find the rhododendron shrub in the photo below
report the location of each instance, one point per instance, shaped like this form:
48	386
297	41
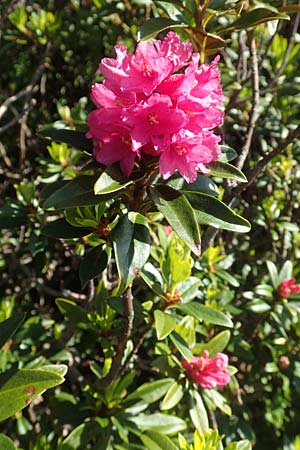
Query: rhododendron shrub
158	102
208	372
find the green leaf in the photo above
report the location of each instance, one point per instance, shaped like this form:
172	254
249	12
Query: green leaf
172	397
110	181
179	213
61	229
18	388
152	391
72	311
286	272
225	170
211	211
202	184
227	154
131	240
273	273
78	192
81	436
256	17
202	312
154	26
218	343
198	412
162	423
6	443
12	216
157	441
181	346
9	326
73	138
93	263
164	324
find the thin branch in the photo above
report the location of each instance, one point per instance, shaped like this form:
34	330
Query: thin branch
262	164
252	175
128	314
255	102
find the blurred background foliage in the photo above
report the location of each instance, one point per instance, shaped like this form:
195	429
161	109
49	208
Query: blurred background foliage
49	57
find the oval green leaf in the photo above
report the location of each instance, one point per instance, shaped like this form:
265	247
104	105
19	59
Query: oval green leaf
154	26
6	443
162	423
164	324
202	312
179	213
152	391
131	241
211	211
93	263
157	441
225	170
110	181
172	397
9	326
18	388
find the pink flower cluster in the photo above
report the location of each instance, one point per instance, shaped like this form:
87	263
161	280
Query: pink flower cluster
157	101
208	372
288	287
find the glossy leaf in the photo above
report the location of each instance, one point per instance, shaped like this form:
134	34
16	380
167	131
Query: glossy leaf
181	346
286	271
202	312
198	412
172	397
152	391
227	154
179	213
6	443
81	436
18	388
211	211
218	343
78	192
9	326
110	181
154	26
131	240
164	324
61	229
93	263
255	17
71	310
73	138
202	184
162	423
225	170
157	441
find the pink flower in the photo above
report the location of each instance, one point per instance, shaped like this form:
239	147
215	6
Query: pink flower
288	287
158	102
185	152
155	121
208	372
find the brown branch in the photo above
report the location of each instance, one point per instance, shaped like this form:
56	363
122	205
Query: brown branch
261	165
211	232
128	314
255	102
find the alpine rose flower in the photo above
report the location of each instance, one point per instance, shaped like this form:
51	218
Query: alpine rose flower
288	287
208	372
158	102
